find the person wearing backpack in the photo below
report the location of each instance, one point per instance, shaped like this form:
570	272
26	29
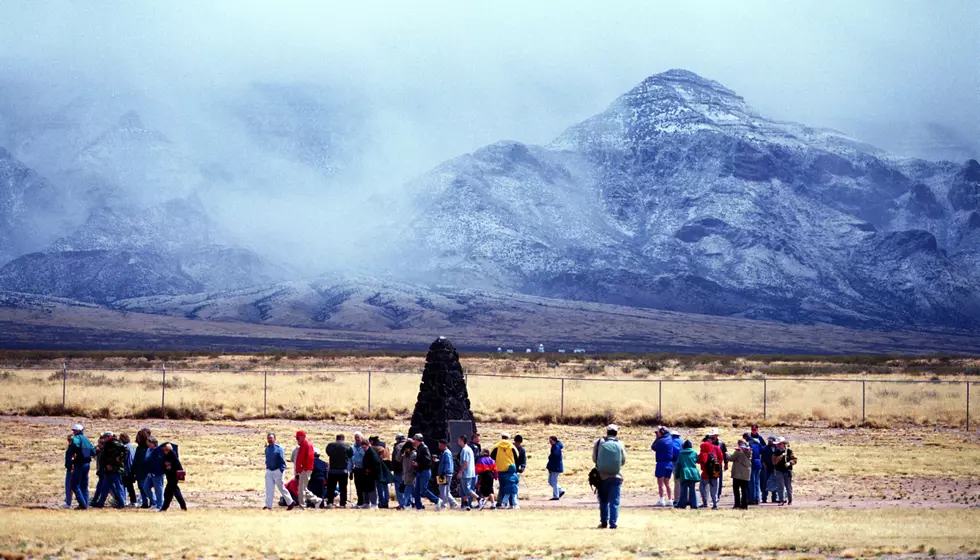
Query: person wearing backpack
687	473
81	451
711	463
114	463
609	456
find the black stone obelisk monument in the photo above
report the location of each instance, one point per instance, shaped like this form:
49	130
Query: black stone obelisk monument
442	395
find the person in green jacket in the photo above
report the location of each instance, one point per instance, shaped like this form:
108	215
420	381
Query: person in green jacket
689	476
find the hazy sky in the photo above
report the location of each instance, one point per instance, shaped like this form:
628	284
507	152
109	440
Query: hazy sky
477	72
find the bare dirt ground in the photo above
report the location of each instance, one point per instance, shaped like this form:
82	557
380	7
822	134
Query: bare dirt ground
844	469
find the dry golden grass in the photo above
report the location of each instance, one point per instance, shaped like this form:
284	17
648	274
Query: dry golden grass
523	534
858	493
689	395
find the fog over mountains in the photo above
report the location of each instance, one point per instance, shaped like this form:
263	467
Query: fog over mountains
679	196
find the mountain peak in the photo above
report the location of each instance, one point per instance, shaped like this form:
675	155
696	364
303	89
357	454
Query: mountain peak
131	120
681	87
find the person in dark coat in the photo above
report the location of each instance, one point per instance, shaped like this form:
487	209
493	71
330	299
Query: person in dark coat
318	480
171	464
767	467
68	466
372	473
139	466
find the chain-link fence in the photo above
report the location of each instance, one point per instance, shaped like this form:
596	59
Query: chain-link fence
330	393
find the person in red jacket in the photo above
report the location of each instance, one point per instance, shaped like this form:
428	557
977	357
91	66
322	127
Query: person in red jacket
304	467
711	461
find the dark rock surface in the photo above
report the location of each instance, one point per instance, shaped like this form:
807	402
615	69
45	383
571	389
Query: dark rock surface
442	395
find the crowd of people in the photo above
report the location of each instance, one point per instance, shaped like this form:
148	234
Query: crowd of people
322	480
147	474
762	470
122	467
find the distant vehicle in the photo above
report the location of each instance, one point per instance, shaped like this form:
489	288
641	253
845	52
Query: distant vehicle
561	350
528	350
579	351
510	351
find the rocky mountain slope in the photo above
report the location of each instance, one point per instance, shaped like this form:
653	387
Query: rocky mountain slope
680	196
172	248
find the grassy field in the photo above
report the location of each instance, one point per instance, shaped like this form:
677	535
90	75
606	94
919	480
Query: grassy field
514	390
858	493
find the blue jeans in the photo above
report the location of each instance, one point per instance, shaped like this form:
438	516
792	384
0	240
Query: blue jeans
101	492
508	500
422	489
553	482
688	495
109	483
67	488
467	489
404	493
754	484
79	483
384	495
609	500
154	483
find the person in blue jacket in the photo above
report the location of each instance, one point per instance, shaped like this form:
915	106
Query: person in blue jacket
556	466
153	464
678	446
68	465
81	451
767	466
756	476
663	449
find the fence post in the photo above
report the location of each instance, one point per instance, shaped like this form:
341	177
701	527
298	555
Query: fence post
967	405
864	416
562	414
64	385
265	393
765	395
660	398
369	392
163	392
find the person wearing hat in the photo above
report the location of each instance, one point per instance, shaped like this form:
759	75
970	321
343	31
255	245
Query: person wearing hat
340	453
304	469
741	461
609	457
371	475
766	481
423	473
663	449
81	452
711	460
275	465
783	461
113	462
396	466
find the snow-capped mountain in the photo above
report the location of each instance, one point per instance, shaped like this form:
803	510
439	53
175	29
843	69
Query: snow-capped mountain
172	248
32	212
681	196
